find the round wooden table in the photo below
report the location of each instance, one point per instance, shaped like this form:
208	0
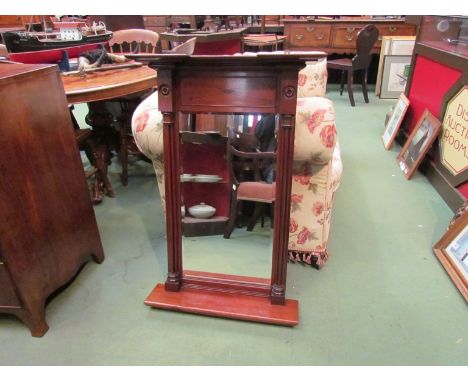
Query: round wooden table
95	88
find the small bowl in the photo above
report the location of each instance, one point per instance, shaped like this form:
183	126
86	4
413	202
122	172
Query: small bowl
202	211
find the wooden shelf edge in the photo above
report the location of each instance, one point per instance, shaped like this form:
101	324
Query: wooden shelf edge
225	305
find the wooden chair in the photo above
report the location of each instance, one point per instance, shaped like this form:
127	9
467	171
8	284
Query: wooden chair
365	40
130	41
134	41
85	143
261	42
256	190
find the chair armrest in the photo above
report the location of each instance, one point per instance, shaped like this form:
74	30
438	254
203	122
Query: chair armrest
315	133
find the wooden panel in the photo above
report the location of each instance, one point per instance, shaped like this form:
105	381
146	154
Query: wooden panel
10	20
156	21
8	296
313	36
228	93
229	305
396	30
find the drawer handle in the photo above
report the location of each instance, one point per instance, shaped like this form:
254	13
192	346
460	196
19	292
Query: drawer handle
299	36
310	29
392	29
350	29
319	36
350	37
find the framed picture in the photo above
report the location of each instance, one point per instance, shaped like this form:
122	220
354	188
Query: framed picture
395	120
418	144
402	46
452	252
392	45
395	74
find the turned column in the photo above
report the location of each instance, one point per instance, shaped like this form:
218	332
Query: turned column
285	152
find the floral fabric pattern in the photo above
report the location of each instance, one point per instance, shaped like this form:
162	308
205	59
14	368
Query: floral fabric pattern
316	174
147	130
312	80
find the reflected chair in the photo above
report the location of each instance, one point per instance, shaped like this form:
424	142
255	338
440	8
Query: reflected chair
257	190
130	41
359	64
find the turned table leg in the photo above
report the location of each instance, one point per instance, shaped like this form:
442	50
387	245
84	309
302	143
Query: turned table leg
103	137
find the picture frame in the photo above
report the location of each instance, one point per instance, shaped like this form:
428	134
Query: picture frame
395	75
394	122
452	252
418	144
392	45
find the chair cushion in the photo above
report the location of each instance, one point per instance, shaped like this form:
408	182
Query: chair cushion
312	80
257	191
315	133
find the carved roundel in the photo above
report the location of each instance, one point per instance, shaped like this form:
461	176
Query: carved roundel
164	89
289	91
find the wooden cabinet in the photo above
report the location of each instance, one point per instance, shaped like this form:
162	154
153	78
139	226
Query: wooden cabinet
337	36
47	223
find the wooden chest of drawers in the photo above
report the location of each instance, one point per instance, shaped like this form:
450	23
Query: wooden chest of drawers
47	223
338	36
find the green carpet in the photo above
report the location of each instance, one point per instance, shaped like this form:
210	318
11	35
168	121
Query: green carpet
382	299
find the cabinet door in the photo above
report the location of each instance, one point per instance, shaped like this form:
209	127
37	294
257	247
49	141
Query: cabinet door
311	36
8	296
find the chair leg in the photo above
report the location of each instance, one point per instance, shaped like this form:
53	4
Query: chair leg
259	209
350	87
124	150
364	86
342	82
232	217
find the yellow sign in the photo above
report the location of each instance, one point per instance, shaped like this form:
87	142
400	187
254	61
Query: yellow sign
454	142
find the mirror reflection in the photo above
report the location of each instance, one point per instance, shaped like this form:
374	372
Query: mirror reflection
227	173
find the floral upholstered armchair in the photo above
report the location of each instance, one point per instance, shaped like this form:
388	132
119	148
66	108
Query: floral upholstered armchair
316	170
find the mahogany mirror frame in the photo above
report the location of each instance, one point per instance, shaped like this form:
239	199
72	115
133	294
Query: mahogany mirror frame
263	84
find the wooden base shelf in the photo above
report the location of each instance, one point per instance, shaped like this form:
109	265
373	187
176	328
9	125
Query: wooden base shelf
228	296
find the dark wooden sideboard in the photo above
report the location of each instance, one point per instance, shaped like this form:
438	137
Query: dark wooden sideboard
47	224
338	36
